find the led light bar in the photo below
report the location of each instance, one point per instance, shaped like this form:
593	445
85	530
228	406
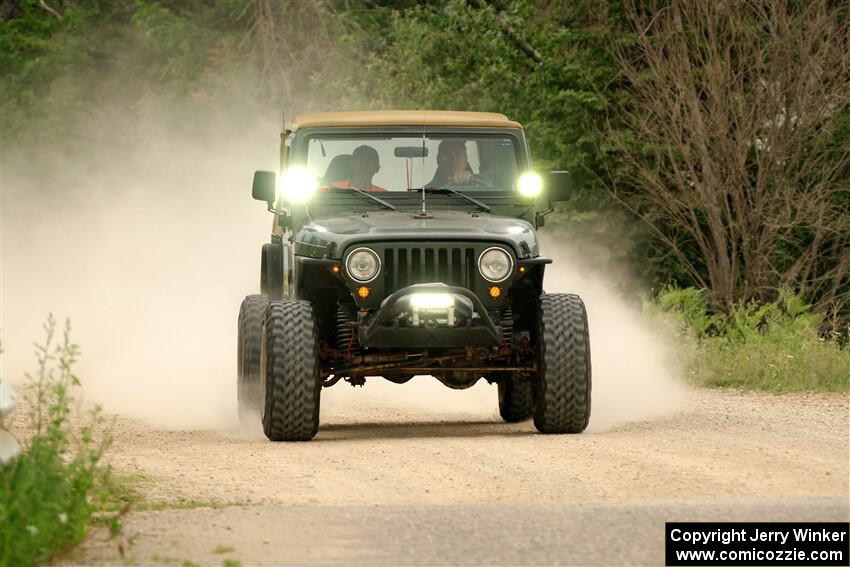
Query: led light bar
432	300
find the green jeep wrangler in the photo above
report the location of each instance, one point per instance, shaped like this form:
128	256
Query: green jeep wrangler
404	244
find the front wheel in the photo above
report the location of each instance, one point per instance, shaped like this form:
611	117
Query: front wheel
562	385
289	371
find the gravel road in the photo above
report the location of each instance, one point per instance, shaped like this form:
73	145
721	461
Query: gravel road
385	485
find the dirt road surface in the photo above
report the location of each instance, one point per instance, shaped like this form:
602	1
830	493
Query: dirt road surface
383	485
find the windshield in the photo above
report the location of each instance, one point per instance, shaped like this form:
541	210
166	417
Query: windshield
404	163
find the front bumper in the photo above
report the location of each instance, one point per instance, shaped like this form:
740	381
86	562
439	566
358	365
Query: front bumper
400	323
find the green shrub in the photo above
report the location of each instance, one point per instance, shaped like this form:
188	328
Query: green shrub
775	346
52	492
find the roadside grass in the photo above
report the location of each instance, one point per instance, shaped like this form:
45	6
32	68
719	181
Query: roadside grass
182	505
176	562
772	347
222	549
128	488
57	488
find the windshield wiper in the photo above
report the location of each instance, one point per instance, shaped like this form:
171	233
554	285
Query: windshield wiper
376	199
468	199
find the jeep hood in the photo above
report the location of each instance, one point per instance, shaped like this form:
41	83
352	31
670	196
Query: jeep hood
330	236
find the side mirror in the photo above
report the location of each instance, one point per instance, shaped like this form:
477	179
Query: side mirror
559	185
264	186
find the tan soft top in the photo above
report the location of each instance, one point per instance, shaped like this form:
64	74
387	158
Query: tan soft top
402	118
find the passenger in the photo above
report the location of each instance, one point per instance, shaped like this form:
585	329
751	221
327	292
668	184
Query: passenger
453	167
338	170
365	164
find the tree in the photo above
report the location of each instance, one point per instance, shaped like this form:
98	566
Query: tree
736	150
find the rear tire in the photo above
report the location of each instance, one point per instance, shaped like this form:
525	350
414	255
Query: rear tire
290	371
250	328
516	401
563	383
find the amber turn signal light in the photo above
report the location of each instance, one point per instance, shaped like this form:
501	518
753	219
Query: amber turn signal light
495	291
522	268
335	269
363	292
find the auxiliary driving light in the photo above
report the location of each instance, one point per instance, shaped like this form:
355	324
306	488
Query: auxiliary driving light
432	300
297	185
530	184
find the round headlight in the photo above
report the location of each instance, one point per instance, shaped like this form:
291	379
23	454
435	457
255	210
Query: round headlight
495	264
363	264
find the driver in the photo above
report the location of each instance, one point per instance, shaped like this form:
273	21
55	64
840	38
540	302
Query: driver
365	163
453	167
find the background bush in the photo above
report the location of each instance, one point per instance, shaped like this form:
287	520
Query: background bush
775	347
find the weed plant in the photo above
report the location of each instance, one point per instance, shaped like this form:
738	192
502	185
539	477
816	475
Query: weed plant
774	346
57	487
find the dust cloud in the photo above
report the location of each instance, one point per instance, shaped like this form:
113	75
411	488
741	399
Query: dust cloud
147	243
633	364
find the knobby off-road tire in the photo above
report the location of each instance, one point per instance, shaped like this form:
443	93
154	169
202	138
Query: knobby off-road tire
250	329
516	402
562	386
290	371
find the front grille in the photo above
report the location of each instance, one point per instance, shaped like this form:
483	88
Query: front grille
406	265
